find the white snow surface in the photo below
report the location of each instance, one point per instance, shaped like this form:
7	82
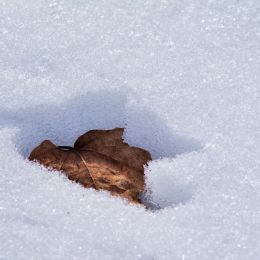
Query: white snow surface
182	77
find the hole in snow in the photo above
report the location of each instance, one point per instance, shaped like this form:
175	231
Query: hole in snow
63	123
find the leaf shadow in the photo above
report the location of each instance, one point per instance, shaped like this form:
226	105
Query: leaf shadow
63	123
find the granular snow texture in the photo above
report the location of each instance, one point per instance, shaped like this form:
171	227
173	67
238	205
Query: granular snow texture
182	77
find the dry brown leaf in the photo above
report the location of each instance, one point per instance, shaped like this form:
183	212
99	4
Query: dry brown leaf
100	160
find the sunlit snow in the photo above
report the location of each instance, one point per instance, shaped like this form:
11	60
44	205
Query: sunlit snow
182	77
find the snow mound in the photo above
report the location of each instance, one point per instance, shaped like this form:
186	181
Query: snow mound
182	77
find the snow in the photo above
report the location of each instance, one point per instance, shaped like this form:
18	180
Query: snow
182	77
